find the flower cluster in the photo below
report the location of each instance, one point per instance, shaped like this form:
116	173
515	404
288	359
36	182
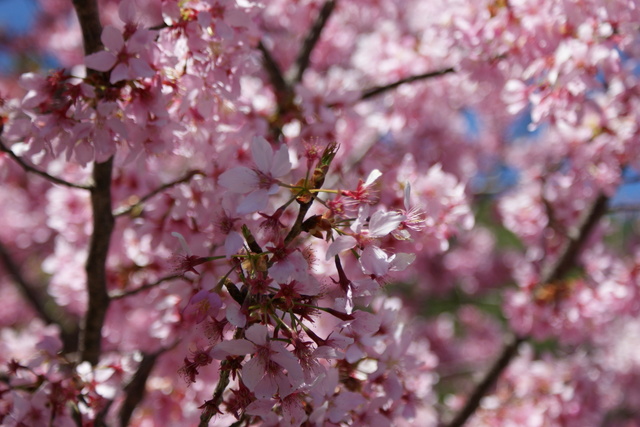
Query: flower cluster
280	361
320	212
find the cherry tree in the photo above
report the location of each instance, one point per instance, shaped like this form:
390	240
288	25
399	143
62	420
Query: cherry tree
320	213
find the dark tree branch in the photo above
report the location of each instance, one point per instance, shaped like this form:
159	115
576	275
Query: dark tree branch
557	271
31	169
127	209
569	257
89	17
625	208
124	294
304	56
103	222
91	332
42	303
135	389
483	387
283	92
377	90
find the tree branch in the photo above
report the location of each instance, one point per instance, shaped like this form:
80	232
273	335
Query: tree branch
89	17
41	302
135	389
127	209
147	286
91	332
377	90
31	169
304	56
556	272
103	222
625	208
483	387
283	92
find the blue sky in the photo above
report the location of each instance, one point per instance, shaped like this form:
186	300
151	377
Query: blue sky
16	15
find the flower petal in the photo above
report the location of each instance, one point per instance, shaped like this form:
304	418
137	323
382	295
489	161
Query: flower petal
232	244
254	202
239	180
100	61
234	347
341	243
140	68
262	154
112	39
383	223
375	261
252	372
119	73
373	176
281	163
257	333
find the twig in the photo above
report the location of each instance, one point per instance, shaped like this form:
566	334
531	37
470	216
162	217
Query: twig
355	158
557	271
624	208
135	389
127	209
509	351
31	169
41	302
575	244
304	56
377	90
145	287
283	91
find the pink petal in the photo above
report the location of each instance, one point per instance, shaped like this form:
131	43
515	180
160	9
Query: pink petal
100	61
234	314
290	363
383	223
140	68
402	261
266	387
112	39
252	372
239	180
365	323
262	154
127	11
375	261
235	347
407	196
257	334
261	408
254	202
232	244
353	354
121	72
281	163
341	243
373	177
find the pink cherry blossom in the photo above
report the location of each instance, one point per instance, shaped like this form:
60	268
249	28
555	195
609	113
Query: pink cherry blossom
263	374
381	207
261	181
126	59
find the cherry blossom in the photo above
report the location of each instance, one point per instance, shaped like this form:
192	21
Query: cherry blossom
263	374
261	181
408	213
